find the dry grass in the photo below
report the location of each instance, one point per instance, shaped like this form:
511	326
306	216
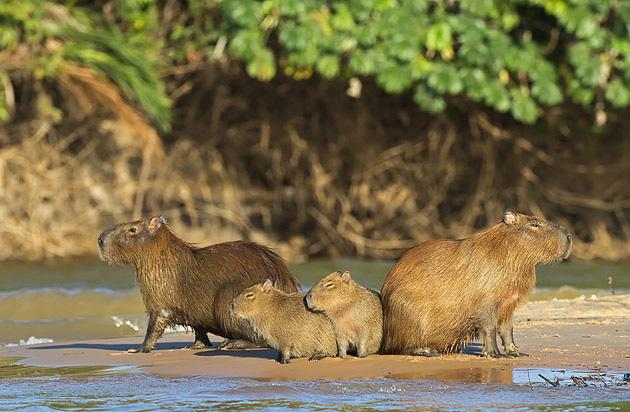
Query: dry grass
367	177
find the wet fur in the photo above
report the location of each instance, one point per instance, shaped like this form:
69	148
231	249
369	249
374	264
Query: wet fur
443	293
355	312
285	324
191	286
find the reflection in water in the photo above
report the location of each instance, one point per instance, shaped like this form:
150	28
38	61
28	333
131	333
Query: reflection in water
75	388
502	375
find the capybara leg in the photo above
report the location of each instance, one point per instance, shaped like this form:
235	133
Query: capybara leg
506	331
490	347
342	348
318	356
239	344
362	348
283	357
201	339
155	328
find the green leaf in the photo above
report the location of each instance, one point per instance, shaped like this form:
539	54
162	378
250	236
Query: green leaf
547	92
262	66
367	62
445	79
328	66
497	96
439	37
523	107
428	100
394	79
618	94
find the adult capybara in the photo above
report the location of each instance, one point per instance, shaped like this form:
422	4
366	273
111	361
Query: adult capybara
443	293
192	286
354	311
284	323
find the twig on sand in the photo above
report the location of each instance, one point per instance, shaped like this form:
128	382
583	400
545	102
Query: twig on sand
550	382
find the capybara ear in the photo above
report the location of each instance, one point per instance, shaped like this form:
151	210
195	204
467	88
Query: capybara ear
345	277
155	223
267	285
510	217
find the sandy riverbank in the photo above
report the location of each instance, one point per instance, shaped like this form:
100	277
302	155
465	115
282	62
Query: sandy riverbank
577	334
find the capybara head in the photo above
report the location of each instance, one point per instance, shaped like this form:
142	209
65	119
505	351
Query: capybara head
541	240
329	292
252	300
126	243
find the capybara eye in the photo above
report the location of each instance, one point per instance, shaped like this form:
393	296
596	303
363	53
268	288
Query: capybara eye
535	224
249	295
329	285
132	230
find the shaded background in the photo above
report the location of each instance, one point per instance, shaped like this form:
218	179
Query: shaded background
324	128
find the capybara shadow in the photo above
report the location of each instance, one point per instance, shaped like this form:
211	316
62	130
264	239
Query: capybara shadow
444	293
249	353
182	284
109	346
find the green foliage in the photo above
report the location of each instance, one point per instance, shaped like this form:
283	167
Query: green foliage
52	35
514	56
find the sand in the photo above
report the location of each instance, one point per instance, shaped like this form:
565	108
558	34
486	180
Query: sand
577	334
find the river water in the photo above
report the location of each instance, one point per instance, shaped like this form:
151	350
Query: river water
86	298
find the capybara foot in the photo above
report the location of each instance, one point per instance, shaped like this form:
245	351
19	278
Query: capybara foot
512	350
238	344
428	352
491	354
145	349
283	359
199	345
318	356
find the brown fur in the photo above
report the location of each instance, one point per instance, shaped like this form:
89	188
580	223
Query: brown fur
355	312
443	293
284	323
186	285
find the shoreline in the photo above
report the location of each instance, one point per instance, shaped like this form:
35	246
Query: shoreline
575	334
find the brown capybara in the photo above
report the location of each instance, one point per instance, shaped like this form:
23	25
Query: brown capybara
354	311
192	286
443	293
284	323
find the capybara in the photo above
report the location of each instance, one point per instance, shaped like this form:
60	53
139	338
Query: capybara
443	293
284	323
354	311
192	286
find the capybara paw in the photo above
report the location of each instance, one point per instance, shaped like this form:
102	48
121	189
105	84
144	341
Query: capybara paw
145	349
198	345
491	354
512	351
361	355
318	356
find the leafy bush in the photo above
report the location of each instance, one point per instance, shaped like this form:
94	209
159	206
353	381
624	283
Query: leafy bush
514	56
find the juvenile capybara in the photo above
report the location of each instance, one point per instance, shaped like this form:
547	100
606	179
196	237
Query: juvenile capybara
443	293
192	286
354	311
284	323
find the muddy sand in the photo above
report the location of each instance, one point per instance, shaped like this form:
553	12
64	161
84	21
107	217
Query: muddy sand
577	334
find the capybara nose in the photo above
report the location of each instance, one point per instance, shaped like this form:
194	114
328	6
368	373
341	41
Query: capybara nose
308	300
232	306
101	240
